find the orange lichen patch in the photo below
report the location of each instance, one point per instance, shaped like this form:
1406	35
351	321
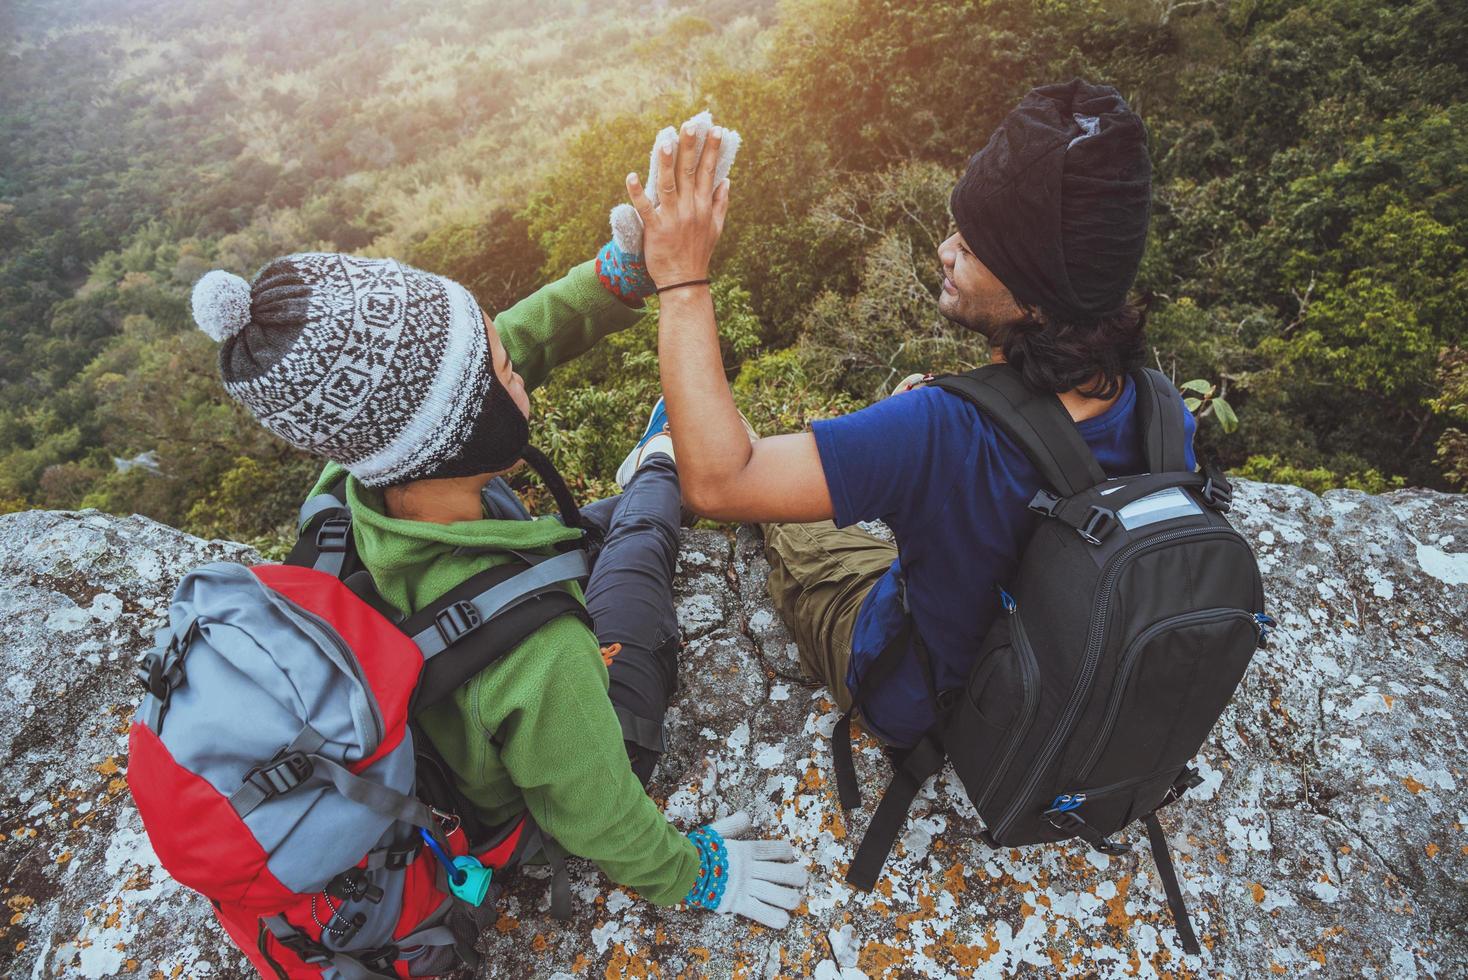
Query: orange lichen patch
970	956
877	958
953	880
884	887
1413	786
1258	891
811	781
1317	954
131	966
1223	857
630	965
1386	699
506	924
1431	850
1117	916
539	943
1345	848
831	821
1275	968
64	857
700	952
926	908
580	964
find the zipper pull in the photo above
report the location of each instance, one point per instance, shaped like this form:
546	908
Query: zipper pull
1007	601
1066	802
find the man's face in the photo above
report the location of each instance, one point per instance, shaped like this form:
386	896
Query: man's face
972	296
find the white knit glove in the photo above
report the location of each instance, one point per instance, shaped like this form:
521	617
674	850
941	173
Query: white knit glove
626	222
759	873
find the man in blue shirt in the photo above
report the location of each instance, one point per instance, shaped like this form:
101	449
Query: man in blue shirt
1052	218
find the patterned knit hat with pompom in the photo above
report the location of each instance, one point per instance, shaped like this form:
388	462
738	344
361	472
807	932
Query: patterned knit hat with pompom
381	367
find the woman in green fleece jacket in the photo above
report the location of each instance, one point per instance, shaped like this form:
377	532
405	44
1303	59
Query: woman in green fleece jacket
398	378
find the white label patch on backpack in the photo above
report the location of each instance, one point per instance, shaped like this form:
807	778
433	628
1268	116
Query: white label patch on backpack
1164	505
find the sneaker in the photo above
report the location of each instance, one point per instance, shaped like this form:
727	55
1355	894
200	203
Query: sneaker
655	439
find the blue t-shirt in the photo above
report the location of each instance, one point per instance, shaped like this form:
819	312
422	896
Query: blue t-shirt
955	490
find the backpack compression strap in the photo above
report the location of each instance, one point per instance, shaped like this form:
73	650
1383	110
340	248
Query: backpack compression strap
1036	420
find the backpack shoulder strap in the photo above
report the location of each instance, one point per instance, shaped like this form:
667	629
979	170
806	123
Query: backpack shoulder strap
517	598
1164	436
1035	420
325	524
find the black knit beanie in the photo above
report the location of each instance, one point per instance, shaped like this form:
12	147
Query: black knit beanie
1057	204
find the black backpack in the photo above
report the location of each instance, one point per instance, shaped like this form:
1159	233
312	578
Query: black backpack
1128	624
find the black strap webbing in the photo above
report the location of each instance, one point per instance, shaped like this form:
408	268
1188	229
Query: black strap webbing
1035	420
912	768
1163	856
1160	417
892	655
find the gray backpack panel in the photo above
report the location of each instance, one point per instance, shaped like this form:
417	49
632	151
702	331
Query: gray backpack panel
260	668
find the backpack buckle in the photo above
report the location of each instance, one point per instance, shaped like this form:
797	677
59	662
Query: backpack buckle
282	774
333	534
1044	502
352	885
456	620
1217	492
161	672
308	949
1100	522
381	960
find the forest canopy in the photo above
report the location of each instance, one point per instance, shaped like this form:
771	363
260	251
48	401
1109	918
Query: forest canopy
1306	259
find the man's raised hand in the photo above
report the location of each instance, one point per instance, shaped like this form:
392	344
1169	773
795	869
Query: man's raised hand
681	229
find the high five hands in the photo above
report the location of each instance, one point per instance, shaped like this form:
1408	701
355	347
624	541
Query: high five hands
679	232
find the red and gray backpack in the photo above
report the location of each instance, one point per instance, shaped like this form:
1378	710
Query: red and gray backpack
278	771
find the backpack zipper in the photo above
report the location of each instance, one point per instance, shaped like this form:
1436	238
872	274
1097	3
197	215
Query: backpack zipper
1129	662
1095	636
1020	641
1079	797
350	659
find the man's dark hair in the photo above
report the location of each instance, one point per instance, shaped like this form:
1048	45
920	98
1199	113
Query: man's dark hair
1091	355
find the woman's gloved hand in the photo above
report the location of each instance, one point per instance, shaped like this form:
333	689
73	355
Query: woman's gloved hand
759	879
624	252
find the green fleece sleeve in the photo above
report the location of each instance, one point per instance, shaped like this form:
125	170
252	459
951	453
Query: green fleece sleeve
546	705
561	321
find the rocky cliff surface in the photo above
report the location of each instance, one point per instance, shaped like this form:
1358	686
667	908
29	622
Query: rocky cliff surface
1328	838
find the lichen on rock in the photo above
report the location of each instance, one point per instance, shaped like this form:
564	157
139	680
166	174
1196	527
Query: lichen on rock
1328	837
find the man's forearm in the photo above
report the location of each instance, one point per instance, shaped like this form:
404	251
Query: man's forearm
709	437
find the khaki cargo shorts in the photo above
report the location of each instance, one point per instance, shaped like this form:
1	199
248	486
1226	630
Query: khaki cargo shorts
819	576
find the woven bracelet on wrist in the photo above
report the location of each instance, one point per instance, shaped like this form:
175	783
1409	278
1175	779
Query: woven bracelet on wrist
713	877
680	285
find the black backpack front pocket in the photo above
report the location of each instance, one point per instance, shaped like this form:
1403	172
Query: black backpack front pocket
1173	681
994	711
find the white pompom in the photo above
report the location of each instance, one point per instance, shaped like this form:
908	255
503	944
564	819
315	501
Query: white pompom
221	304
